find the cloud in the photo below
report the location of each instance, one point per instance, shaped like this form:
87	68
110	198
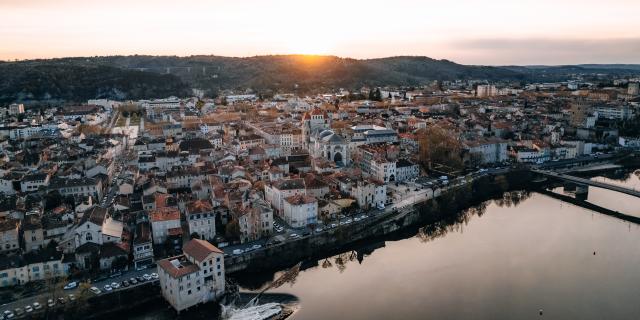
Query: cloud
547	51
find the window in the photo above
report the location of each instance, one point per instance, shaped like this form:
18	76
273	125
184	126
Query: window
189	292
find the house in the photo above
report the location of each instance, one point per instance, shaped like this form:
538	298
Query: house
9	235
300	210
31	182
278	191
33	233
201	219
197	276
370	193
162	221
406	170
142	245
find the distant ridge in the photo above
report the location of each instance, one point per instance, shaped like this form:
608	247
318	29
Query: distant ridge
139	76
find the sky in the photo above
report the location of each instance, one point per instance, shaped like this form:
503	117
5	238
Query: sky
489	32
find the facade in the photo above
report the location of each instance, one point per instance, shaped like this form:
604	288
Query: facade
142	245
487	151
201	219
195	277
277	192
9	236
406	170
163	221
300	211
370	194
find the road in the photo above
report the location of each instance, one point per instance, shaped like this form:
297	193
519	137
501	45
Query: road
43	297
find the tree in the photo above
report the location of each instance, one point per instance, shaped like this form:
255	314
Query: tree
53	200
232	230
439	146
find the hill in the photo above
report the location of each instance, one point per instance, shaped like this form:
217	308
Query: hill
135	77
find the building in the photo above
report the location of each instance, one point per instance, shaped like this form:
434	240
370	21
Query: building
614	112
16	109
197	276
370	193
486	90
201	219
486	151
163	221
142	245
406	170
300	211
278	191
634	88
9	235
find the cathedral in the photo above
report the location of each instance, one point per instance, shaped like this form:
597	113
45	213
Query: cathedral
321	141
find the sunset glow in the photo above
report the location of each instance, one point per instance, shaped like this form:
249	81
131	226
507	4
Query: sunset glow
491	32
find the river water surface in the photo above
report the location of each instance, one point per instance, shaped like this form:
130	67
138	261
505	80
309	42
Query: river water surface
507	263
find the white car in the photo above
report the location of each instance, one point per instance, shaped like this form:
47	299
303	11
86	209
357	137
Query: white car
115	285
95	290
70	285
28	309
256	246
146	277
51	303
37	305
154	276
107	288
293	235
238	251
318	229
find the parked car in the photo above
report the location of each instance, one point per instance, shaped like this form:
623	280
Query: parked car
72	298
107	288
8	314
51	303
28	309
115	285
71	285
293	235
18	312
238	252
154	276
141	279
256	246
318	229
125	283
95	290
37	306
146	277
61	300
133	281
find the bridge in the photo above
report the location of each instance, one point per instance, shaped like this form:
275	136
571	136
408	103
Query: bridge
588	182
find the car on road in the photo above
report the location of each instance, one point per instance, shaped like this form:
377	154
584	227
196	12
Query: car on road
70	285
95	290
28	309
238	251
37	306
115	285
51	303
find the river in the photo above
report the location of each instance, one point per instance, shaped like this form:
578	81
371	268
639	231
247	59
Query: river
508	259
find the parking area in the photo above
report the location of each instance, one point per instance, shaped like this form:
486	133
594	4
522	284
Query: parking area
63	297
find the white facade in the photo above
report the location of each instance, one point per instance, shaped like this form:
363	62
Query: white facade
300	211
193	278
